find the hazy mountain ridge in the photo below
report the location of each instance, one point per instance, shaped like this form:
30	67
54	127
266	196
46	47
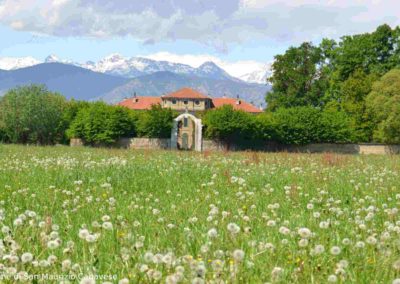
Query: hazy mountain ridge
70	81
83	84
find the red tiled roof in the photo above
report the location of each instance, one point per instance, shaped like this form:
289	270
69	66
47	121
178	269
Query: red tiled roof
186	93
219	102
140	103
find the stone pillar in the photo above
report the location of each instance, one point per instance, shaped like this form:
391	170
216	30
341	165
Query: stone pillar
198	135
174	135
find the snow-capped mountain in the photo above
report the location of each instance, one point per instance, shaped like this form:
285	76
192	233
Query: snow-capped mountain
13	63
116	64
259	76
211	70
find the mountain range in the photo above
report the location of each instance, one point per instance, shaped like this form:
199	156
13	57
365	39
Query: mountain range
115	78
116	64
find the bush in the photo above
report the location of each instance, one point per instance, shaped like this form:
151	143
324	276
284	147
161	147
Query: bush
230	126
337	127
297	125
304	125
70	112
155	123
99	124
265	126
2	136
32	114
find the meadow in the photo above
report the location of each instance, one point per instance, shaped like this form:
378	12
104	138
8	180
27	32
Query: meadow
84	215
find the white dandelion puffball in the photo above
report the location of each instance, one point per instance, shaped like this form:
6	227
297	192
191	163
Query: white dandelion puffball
332	278
107	226
238	255
212	233
335	250
305	233
26	257
233	228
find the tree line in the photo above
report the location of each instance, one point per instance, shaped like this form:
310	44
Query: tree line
34	115
356	79
338	92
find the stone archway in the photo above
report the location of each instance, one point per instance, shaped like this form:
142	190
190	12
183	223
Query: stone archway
189	128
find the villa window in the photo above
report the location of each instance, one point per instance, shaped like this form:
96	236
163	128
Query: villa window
174	102
185	102
185	122
197	102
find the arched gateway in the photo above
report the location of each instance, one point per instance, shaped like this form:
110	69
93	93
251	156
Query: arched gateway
187	133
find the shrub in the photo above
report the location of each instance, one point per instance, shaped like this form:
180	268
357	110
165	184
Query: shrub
100	123
32	114
265	126
2	135
230	126
70	112
155	123
303	125
337	127
297	125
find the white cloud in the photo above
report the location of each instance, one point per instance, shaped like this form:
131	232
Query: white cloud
11	63
211	22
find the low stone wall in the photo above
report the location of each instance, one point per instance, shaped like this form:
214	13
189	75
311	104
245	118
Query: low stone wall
323	148
144	143
379	149
210	145
345	148
75	142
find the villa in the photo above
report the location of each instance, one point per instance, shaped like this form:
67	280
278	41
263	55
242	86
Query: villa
187	130
189	100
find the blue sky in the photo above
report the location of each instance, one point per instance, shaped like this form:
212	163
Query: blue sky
229	31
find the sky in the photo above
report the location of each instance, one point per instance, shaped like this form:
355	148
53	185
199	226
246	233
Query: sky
238	34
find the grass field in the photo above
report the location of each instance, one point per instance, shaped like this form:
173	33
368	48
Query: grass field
174	217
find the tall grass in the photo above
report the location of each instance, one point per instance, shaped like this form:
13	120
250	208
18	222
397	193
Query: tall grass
179	217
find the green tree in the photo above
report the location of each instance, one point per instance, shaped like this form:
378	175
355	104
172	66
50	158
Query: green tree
102	124
32	114
156	122
353	93
370	52
231	126
298	78
383	103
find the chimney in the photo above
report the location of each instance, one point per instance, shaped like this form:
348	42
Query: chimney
135	98
238	102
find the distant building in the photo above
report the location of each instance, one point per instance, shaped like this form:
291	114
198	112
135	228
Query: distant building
187	99
187	131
